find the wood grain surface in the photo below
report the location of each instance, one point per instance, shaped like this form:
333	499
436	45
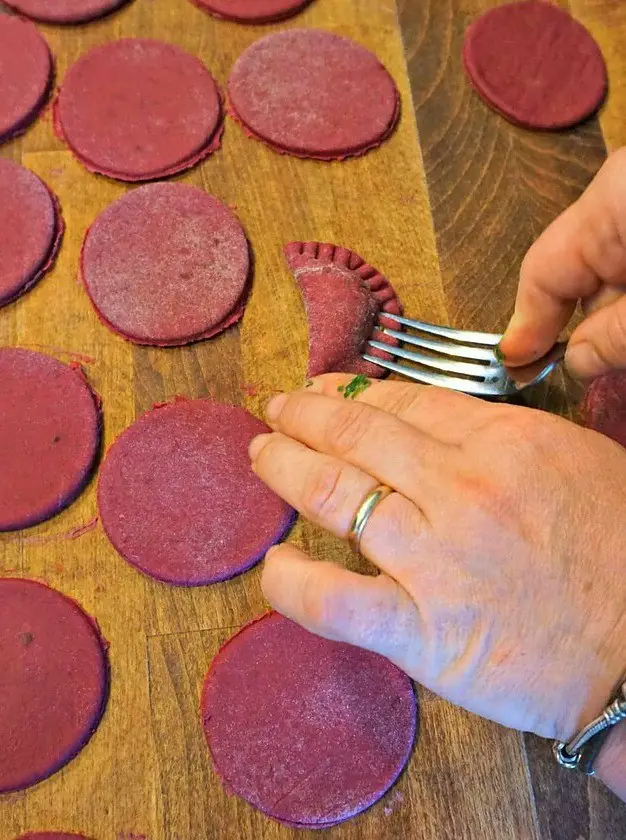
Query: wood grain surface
448	217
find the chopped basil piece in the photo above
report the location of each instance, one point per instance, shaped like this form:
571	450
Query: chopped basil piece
359	384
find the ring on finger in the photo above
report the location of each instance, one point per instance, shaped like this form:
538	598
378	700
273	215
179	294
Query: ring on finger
364	513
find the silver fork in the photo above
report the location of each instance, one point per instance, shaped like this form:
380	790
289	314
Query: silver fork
459	359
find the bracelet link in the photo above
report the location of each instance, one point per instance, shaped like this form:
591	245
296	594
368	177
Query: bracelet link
570	762
582	750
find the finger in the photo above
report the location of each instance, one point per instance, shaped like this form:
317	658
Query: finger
605	297
579	252
448	416
377	442
375	613
329	492
598	345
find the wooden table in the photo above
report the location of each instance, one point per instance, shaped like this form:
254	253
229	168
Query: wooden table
448	218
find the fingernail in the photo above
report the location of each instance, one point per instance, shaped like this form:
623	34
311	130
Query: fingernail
272	550
257	445
275	406
583	361
499	354
510	327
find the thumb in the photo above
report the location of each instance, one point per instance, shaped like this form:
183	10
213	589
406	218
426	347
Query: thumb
375	613
577	255
598	345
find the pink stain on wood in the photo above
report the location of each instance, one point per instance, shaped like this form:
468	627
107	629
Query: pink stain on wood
72	534
80	358
80	530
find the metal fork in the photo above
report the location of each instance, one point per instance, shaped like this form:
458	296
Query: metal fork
459	359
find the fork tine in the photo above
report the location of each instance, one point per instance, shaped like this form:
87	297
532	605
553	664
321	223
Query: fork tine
466	386
491	339
447	348
441	364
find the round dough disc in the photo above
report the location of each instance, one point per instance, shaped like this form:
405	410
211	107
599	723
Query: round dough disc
535	65
51	835
259	11
604	406
49	436
138	109
30	229
25	74
312	732
166	264
64	11
312	93
178	499
53	681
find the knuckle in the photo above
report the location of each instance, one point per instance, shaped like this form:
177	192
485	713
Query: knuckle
316	608
406	399
413	400
616	334
293	413
322	494
614	164
612	173
522	432
346	429
486	494
266	456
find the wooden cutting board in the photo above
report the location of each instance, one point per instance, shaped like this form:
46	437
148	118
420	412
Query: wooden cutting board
146	774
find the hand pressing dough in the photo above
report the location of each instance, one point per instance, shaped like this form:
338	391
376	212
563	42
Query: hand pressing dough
312	732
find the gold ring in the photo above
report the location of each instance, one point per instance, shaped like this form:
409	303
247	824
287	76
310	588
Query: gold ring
364	513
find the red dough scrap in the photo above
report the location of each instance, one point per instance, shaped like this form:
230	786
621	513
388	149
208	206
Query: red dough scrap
604	406
26	72
309	731
64	11
258	11
162	122
54	680
535	65
31	228
178	498
166	264
344	297
49	436
311	93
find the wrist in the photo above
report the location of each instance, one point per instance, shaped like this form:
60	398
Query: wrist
610	765
602	754
602	690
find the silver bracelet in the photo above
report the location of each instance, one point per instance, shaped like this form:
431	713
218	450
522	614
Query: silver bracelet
582	750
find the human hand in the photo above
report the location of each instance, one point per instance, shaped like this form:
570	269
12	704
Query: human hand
581	256
502	583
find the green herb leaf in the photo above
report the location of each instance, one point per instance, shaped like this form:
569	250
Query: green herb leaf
352	390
